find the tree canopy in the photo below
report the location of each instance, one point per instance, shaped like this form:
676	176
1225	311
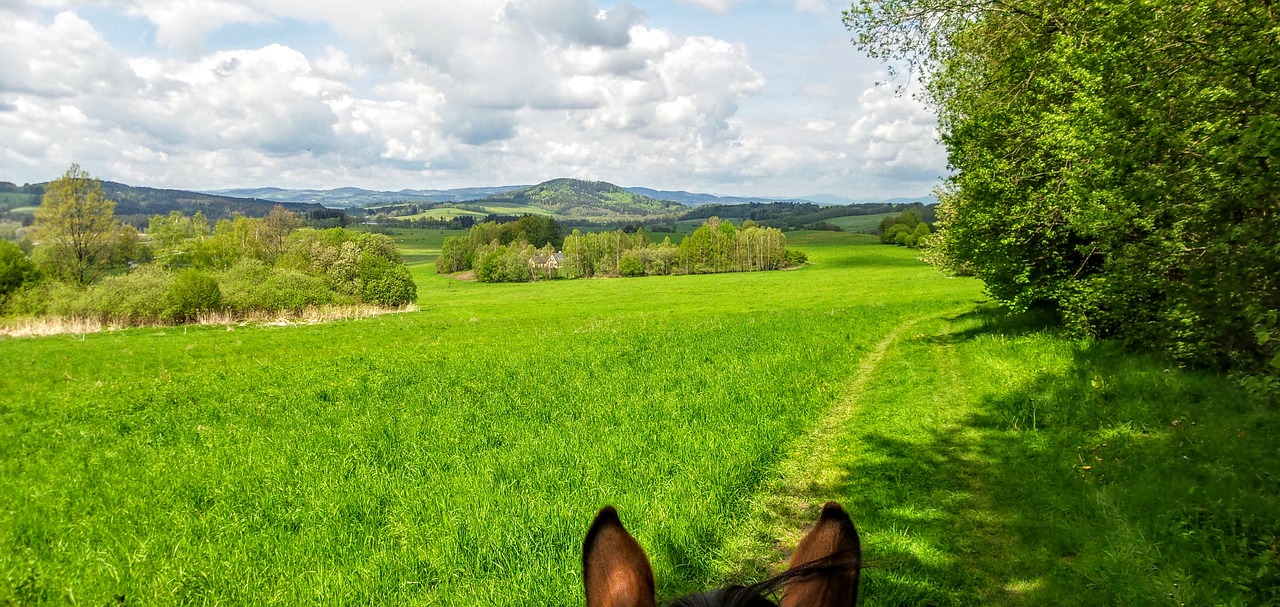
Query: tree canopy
75	226
1115	160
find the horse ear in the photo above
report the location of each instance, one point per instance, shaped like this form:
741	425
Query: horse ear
833	550
615	570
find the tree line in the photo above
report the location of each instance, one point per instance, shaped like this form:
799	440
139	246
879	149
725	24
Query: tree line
1115	162
506	253
80	261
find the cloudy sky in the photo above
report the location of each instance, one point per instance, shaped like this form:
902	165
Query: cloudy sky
733	97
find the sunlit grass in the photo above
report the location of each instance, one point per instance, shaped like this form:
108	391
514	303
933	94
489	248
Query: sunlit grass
454	456
451	456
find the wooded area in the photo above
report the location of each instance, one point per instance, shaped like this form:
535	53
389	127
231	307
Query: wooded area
1115	161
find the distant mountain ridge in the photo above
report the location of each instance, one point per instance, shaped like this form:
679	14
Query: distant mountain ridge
350	197
136	204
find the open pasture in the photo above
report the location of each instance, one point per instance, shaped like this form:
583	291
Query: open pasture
444	213
450	456
455	456
860	223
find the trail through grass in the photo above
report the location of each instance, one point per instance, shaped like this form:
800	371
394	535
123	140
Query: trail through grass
452	456
991	462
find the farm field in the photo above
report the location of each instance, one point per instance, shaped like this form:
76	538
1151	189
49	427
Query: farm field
455	456
860	223
444	213
13	200
497	209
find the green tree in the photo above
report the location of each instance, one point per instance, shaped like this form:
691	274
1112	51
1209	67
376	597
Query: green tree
1115	161
16	269
75	226
275	228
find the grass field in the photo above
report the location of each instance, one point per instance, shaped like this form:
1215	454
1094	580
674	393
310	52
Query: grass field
497	209
455	456
12	201
444	213
860	223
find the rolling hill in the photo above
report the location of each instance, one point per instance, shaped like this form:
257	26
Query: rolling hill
576	198
358	197
135	205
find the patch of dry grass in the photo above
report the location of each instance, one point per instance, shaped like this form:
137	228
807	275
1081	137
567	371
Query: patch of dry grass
57	325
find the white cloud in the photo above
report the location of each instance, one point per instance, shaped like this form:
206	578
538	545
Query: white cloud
895	133
66	57
431	94
720	7
183	24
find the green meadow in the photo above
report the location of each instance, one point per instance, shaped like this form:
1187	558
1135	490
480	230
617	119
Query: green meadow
494	208
860	223
456	455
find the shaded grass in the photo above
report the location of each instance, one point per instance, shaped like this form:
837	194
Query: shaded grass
993	462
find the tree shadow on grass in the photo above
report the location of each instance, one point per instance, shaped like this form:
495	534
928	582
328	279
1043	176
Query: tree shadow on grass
868	262
1107	480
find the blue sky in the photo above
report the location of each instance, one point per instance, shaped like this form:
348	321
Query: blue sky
735	97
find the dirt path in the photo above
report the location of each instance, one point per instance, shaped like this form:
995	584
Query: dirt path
809	476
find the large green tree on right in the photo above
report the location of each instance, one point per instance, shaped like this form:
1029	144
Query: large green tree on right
1117	161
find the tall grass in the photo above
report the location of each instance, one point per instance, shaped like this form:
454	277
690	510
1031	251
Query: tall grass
452	456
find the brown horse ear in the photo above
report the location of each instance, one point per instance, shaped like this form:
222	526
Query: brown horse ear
615	570
833	549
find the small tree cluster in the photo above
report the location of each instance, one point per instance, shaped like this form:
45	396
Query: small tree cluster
458	254
716	246
906	229
179	241
86	265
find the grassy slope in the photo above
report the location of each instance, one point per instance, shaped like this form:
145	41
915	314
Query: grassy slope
452	456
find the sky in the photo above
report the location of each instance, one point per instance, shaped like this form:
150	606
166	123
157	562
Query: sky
730	97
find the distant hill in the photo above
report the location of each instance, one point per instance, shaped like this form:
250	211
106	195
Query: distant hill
575	198
694	199
809	215
357	197
135	205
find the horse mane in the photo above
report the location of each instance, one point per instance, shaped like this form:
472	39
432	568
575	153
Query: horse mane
756	595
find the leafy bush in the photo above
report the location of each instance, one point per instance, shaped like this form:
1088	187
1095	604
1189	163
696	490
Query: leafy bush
252	285
15	269
393	287
796	258
631	263
192	293
138	297
488	265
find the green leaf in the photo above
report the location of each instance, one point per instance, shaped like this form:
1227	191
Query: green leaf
1263	337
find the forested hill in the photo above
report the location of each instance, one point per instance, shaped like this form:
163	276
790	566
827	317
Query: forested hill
358	197
136	204
800	214
578	198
